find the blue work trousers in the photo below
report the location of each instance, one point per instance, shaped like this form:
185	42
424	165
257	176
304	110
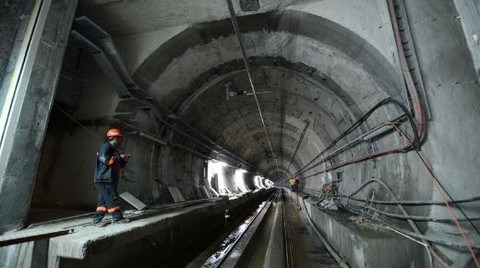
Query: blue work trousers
108	202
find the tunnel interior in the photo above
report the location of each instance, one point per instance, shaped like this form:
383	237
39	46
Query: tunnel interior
309	79
378	98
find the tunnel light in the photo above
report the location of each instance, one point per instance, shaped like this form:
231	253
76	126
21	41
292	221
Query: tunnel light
217	168
240	180
219	163
269	183
221	182
258	181
222	164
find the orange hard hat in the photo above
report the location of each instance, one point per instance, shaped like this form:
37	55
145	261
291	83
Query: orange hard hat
114	132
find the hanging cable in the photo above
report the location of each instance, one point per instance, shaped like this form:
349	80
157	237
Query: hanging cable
299	143
411	202
451	244
445	195
247	69
357	124
414	240
421	128
404	212
138	131
377	131
75	120
412	217
105	49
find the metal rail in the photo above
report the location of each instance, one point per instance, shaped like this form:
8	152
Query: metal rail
276	247
224	257
289	260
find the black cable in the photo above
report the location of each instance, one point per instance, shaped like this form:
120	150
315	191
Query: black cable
435	179
348	146
412	202
448	194
413	217
416	142
450	244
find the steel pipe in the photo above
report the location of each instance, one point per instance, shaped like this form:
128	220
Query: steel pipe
108	54
247	68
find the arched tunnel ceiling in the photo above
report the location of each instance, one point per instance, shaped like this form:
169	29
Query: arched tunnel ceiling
238	120
125	17
314	70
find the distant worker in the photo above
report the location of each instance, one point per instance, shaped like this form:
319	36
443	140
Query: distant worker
293	183
110	159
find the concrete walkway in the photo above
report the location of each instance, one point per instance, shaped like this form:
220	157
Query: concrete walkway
169	228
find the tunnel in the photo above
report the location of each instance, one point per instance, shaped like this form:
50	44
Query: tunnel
255	133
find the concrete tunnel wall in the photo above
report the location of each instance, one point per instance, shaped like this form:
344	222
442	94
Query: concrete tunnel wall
348	62
313	95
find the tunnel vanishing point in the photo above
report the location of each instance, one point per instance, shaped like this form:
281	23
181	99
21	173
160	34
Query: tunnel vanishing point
373	105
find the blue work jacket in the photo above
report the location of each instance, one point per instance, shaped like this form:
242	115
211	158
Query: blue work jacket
108	164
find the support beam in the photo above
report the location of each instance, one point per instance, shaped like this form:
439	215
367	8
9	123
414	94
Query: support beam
33	87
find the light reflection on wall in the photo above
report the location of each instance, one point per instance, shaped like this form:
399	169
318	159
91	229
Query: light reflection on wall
220	180
240	180
258	181
269	183
226	183
215	170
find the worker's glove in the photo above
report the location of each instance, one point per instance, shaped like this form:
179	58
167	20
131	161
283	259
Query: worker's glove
125	157
110	161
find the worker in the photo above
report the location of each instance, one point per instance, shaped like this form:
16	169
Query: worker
293	184
296	183
110	159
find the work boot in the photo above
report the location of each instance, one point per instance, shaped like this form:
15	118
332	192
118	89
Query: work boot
121	221
100	224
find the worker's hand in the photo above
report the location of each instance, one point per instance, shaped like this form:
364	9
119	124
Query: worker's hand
125	156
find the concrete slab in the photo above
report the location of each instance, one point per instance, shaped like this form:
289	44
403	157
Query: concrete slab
177	196
173	225
362	246
132	200
206	192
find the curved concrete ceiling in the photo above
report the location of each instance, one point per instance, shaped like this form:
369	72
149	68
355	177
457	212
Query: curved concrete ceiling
126	17
319	67
310	69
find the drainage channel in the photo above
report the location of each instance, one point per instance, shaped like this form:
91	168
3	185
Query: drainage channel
229	245
273	236
219	250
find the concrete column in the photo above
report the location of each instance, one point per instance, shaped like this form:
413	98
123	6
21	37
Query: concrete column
26	108
12	18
